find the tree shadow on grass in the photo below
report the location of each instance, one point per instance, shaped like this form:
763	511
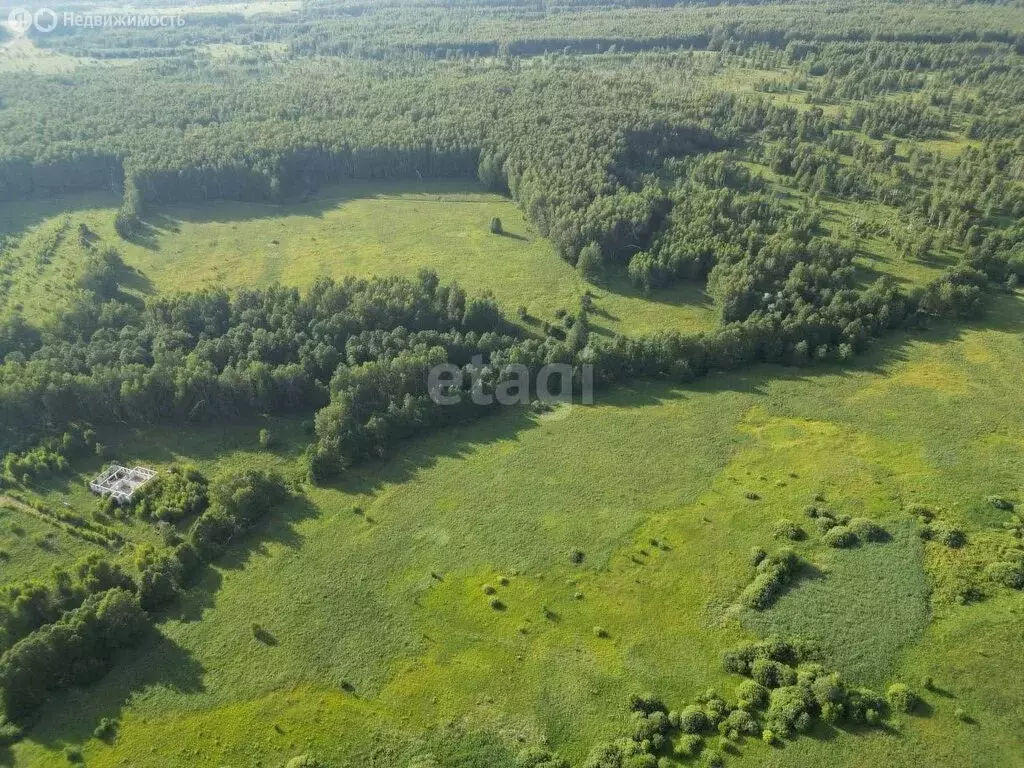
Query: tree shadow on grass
327	197
158	661
424	452
135	281
500	423
683	293
277	527
70	717
17	216
143	234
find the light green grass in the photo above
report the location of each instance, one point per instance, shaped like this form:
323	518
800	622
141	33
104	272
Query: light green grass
863	607
34	547
933	418
361	229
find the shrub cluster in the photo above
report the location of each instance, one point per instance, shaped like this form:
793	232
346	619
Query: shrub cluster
50	456
948	536
537	757
29	605
795	693
792	691
825	520
841	537
179	493
772	574
787	529
1008	573
75	650
238	502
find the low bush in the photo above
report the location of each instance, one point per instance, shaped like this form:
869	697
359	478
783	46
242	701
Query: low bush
864	706
1006	573
693	719
953	538
713	758
825	524
10	733
106	730
868	530
715	707
743	722
901	698
689	745
787	529
840	537
750	694
921	512
773	573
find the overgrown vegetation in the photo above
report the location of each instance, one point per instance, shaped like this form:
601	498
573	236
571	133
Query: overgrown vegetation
827	175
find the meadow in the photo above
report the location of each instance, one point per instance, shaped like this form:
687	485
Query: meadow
360	229
367	664
438	596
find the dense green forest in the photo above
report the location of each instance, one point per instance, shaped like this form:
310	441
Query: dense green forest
654	144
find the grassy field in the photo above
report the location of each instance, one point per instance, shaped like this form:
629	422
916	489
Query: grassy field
377	228
932	418
362	229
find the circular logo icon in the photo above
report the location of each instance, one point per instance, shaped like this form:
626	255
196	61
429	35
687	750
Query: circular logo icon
46	20
19	20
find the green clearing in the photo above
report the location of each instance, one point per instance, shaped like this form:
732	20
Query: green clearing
362	229
931	418
865	606
33	546
374	228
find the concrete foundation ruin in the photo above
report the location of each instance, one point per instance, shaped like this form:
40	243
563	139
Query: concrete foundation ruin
120	482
